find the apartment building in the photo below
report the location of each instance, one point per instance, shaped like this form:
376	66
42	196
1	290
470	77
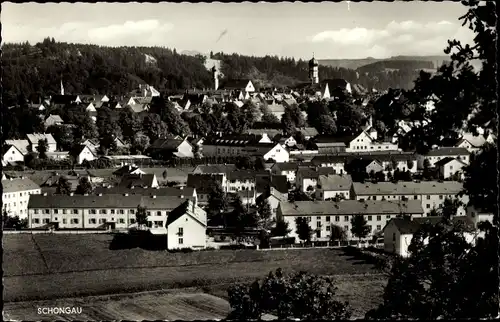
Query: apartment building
431	194
333	185
307	178
106	210
16	194
321	215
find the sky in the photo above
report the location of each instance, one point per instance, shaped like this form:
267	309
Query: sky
329	30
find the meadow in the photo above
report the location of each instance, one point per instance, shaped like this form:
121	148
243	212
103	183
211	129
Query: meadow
49	267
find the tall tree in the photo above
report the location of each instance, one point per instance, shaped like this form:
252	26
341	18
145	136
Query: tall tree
84	186
359	226
130	124
63	186
154	127
217	200
280	229
265	215
337	233
141	216
303	230
42	147
140	142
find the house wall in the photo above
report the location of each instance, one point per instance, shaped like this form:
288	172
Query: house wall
16	203
13	155
193	233
278	154
327	194
186	149
434	159
338	168
223	150
250	87
362	142
377	222
237	185
450	168
304	183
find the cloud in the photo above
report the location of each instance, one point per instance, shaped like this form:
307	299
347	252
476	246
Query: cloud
397	38
141	32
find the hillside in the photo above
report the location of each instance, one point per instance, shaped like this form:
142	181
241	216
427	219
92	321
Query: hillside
357	63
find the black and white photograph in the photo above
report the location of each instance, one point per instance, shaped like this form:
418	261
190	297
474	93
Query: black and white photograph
249	161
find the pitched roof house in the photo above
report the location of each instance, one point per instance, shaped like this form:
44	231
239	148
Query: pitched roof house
53	120
139	180
35	137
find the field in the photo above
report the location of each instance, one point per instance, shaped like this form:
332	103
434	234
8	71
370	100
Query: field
48	267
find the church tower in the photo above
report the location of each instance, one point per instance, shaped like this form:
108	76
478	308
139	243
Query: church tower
215	75
313	71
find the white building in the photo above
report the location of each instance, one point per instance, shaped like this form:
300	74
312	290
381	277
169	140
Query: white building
187	227
321	215
35	137
364	142
288	169
12	154
449	167
398	233
333	185
440	153
16	194
431	194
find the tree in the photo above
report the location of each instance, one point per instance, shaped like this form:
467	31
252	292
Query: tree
337	233
42	147
141	217
300	296
165	175
63	186
84	186
327	125
140	142
303	230
130	124
154	127
243	162
265	215
281	228
359	226
217	200
63	135
259	164
13	222
270	118
198	125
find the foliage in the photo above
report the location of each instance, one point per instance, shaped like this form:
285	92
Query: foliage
42	147
300	296
217	200
130	124
337	233
84	186
303	230
265	215
13	222
154	127
141	216
140	142
63	186
63	135
280	229
359	226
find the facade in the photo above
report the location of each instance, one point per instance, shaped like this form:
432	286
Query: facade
322	214
243	180
53	120
180	148
95	212
288	169
471	142
449	167
232	145
16	194
333	161
35	137
314	71
12	154
365	142
431	194
186	227
203	182
330	186
307	178
82	153
438	154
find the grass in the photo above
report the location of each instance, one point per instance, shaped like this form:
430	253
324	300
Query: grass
83	265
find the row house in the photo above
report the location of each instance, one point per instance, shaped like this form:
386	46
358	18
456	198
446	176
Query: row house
431	194
435	155
399	232
243	180
101	211
321	215
332	186
365	142
184	192
16	194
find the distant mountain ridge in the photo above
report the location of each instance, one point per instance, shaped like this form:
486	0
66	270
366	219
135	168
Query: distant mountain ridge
357	63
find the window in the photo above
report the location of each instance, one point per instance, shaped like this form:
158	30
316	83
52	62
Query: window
427	206
181	231
379	218
327	228
337	218
369	217
374	197
440	197
102	220
64	211
92	221
158	213
35	221
36	211
103	211
346	228
328	218
56	211
65	221
92	211
309	219
428	197
379	227
346	218
55	218
47	211
393	236
74	221
132	220
75	211
149	213
121	211
318	217
181	241
387	216
415	197
112	211
318	224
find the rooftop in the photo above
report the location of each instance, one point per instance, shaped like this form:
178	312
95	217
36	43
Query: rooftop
407	188
15	185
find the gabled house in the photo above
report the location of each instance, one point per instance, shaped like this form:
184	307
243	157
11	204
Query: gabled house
444	152
22	145
93	146
333	185
244	85
12	155
35	137
139	180
449	167
288	169
243	180
120	144
128	169
399	232
90	107
222	169
471	142
285	140
330	87
187	227
82	152
307	178
232	145
308	132
277	110
53	120
180	148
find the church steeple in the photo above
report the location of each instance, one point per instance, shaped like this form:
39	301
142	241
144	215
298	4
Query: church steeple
313	71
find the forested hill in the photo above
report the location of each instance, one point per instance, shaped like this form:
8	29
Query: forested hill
38	69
